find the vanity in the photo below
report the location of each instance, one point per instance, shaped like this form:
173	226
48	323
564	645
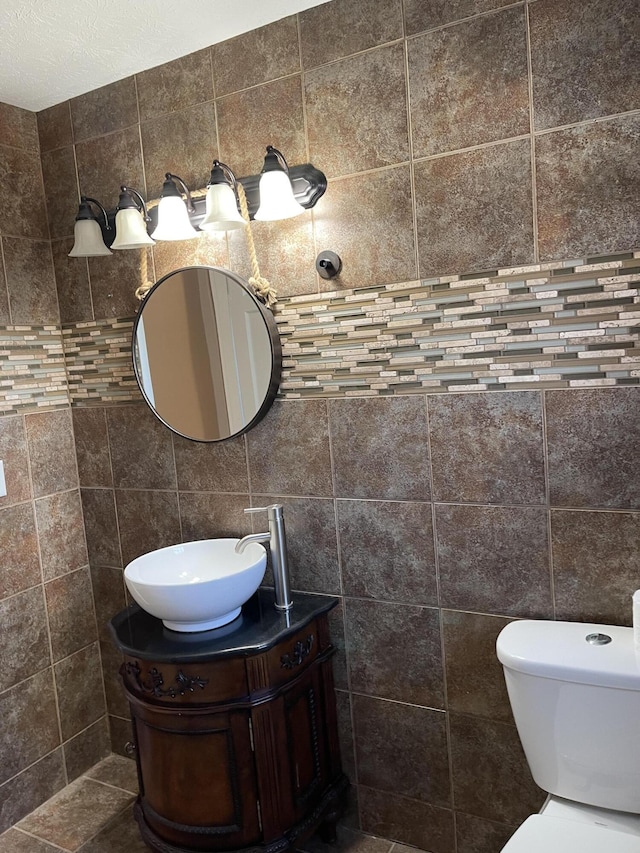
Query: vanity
234	729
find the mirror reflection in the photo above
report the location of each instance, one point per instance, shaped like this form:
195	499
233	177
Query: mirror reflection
206	353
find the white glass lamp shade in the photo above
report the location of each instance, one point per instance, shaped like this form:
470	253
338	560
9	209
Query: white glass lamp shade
277	200
173	220
88	241
222	212
131	230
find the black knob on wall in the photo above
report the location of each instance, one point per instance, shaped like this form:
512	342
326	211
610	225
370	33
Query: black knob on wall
328	264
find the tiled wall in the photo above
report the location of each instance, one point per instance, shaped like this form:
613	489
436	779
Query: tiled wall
436	518
52	702
457	137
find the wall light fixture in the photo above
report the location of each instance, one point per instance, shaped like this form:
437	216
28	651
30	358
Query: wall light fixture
89	242
173	212
131	221
278	192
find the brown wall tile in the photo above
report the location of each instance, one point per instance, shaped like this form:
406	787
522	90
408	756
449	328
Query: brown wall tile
114	280
487	448
13	451
61	190
120	731
590	436
494	559
175	85
380	448
109	597
595	565
368	221
19	549
22	206
209	515
289	450
92	446
30	789
86	749
387	551
405	820
72	282
402	749
5	317
219	466
105	164
29	723
428	14
30	282
80	691
337	29
72	620
51	452
270	114
475	679
379	664
208	249
61	534
475	835
147	520
103	110
273	50
469	83
141	449
54	127
182	143
24	641
18	128
588	183
494	226
101	527
111	663
311	542
491	778
285	250
364	100
571	80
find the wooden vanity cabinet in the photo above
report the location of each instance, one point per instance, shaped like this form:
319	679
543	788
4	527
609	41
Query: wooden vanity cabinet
235	736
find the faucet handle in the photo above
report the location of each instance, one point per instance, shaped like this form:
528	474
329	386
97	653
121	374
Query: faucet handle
272	509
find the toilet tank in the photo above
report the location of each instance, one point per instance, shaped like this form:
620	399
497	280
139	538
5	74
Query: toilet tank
576	703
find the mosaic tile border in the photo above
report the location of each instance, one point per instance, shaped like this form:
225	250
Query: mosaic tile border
32	369
570	324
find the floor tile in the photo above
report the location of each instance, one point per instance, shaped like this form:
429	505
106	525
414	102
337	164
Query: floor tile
117	771
76	814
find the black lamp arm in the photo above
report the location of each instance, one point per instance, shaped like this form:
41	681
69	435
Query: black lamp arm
135	193
280	157
85	199
185	189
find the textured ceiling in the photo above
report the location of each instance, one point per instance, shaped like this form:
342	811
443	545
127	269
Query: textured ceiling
55	49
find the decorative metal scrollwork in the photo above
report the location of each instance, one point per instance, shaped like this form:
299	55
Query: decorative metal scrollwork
185	683
298	654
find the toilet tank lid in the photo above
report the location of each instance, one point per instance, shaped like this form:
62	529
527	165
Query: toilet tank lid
560	650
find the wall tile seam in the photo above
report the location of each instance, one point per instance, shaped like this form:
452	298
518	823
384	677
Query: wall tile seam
439	607
484	14
33	764
399	702
588	122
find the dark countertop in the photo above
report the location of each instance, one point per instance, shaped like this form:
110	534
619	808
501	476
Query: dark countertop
259	627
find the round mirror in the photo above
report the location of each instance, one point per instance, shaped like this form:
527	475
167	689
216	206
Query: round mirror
206	353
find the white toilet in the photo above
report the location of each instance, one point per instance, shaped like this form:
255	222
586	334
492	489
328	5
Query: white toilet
575	693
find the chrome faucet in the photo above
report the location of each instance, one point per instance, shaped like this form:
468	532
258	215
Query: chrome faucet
278	550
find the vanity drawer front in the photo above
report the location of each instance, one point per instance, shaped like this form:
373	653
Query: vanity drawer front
185	684
293	656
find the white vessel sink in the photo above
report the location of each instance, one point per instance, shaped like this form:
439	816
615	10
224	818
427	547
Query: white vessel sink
198	585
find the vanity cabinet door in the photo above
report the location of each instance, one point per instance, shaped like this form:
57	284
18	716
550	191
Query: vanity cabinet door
198	777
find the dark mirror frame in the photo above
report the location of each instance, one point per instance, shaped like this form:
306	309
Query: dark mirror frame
274	340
